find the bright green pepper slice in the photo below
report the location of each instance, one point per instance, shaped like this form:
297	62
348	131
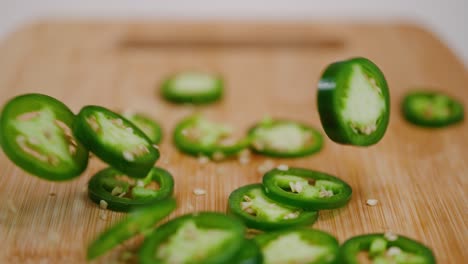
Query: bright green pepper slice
249	253
432	109
150	127
306	188
193	87
124	194
116	141
205	237
285	139
384	249
298	245
35	133
199	136
354	102
137	221
250	204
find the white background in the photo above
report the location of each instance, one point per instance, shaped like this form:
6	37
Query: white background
447	19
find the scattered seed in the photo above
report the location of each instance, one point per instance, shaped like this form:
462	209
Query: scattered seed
244	160
103	204
393	251
140	183
390	236
283	167
203	159
199	191
325	193
103	215
128	156
217	156
246	198
116	191
92	122
122	194
245	205
372	202
155	146
292	215
12	207
266	166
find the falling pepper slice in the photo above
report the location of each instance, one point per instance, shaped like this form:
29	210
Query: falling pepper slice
354	102
115	140
35	133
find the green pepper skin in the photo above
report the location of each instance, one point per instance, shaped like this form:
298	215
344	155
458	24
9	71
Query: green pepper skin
456	110
353	246
153	131
306	151
27	103
340	198
199	99
250	253
137	221
313	236
97	190
138	168
193	148
148	250
331	88
234	203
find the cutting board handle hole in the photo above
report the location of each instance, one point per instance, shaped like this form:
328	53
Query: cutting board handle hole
141	43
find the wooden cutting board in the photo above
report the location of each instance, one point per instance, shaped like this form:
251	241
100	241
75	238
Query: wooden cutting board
419	176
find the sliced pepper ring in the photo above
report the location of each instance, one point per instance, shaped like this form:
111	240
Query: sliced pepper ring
432	109
298	245
136	222
150	127
193	87
250	253
306	188
354	102
205	237
115	140
399	250
35	133
250	204
285	139
199	136
124	194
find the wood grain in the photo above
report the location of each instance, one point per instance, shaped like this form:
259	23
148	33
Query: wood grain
418	175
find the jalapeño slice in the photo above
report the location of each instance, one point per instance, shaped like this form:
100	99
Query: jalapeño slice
137	221
354	102
199	136
432	109
298	245
192	87
115	140
306	188
35	133
377	249
123	193
150	127
249	253
283	138
205	237
251	205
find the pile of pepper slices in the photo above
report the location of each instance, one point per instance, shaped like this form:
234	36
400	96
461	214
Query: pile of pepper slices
42	136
